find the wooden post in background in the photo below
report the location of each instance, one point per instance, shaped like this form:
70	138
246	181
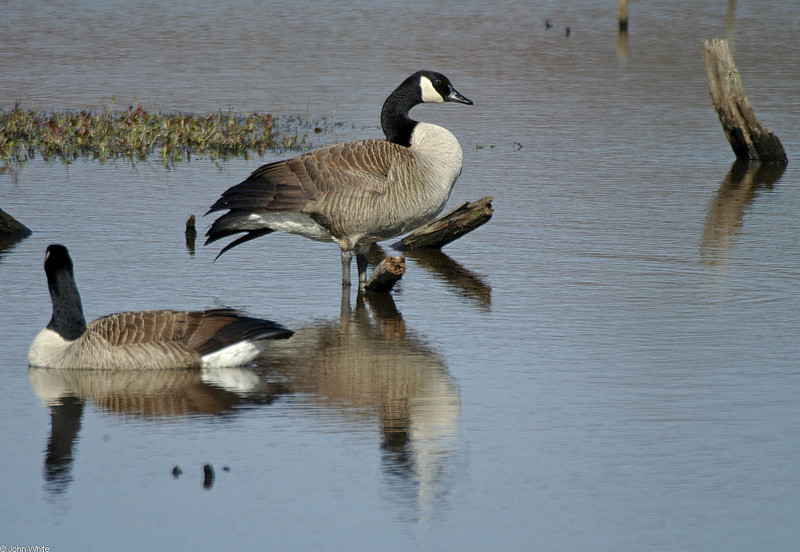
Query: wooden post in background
748	139
622	12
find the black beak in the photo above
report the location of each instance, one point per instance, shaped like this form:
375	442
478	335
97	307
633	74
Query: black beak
455	96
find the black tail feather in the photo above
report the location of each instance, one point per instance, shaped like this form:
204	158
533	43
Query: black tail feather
242	328
251	235
249	194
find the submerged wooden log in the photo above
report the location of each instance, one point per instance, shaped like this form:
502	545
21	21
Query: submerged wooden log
447	228
386	275
748	139
9	226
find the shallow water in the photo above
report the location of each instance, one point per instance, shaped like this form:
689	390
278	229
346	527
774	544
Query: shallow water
611	363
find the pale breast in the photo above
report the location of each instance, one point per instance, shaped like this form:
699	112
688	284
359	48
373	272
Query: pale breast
381	191
47	348
420	187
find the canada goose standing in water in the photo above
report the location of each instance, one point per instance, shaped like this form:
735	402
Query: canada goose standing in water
355	193
143	339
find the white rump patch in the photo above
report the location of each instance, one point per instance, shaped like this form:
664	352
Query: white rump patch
238	354
429	93
291	222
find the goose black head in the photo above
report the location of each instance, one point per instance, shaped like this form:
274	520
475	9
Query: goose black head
436	88
421	87
67	320
57	257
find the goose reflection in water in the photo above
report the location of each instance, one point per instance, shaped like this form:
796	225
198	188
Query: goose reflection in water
361	367
149	394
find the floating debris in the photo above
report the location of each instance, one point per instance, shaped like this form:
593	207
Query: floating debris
137	133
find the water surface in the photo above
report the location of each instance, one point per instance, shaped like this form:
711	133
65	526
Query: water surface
610	364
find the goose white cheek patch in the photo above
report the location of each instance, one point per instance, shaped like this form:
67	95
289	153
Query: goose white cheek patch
429	93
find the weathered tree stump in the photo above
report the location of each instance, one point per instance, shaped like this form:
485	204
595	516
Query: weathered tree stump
386	275
191	228
9	226
190	233
445	229
748	139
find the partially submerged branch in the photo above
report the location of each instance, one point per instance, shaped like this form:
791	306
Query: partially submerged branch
447	228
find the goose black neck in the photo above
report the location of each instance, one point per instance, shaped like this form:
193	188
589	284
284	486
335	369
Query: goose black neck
395	122
68	320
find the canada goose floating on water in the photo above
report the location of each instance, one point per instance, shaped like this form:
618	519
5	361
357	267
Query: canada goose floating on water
144	339
355	193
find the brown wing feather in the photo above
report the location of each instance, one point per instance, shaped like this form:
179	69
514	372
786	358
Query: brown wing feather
199	331
324	184
297	184
133	328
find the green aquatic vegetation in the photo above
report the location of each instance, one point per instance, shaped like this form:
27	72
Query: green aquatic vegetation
137	134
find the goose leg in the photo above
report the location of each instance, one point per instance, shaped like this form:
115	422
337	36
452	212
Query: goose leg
347	257
361	262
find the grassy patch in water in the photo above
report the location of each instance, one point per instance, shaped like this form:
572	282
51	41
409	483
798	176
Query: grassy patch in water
138	134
